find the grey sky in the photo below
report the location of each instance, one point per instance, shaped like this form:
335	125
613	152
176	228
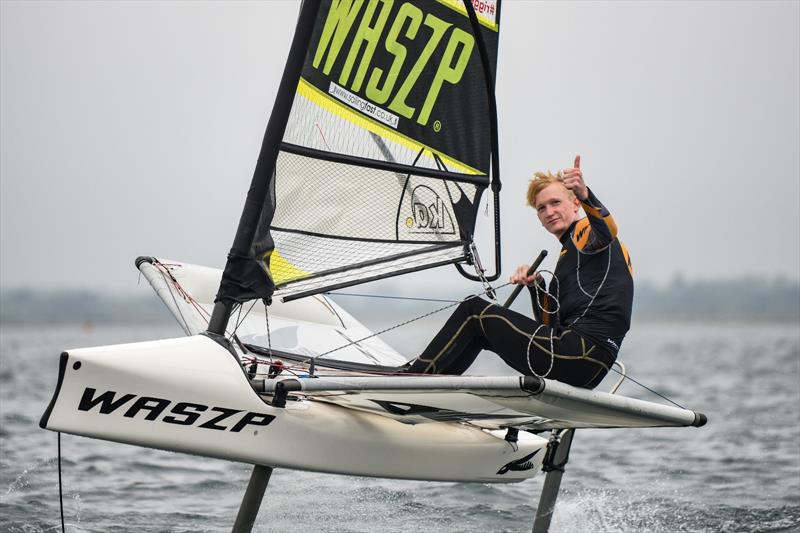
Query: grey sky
133	129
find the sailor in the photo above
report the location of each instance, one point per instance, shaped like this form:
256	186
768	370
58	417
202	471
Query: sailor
580	317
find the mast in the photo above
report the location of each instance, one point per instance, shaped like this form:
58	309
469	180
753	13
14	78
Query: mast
238	262
495	144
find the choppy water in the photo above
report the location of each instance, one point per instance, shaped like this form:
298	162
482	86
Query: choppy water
740	473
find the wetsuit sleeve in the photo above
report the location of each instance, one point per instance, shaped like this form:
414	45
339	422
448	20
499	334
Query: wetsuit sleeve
603	226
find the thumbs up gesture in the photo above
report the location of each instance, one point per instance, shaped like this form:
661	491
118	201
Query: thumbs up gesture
573	180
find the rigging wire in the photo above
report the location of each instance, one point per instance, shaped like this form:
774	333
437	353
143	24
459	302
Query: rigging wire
238	320
389	297
627	376
269	335
390	328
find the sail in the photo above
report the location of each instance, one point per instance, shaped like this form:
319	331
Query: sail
385	151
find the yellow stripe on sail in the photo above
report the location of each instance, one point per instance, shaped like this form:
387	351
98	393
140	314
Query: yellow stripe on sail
330	104
282	271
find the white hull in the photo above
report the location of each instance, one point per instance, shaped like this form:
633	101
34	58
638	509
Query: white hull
162	378
192	395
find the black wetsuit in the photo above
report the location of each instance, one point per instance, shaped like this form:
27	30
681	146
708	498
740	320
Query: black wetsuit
577	330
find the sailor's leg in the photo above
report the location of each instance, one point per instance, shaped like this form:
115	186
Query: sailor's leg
457	344
531	347
526	345
523	343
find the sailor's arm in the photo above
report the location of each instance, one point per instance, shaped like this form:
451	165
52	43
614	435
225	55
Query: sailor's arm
604	229
536	286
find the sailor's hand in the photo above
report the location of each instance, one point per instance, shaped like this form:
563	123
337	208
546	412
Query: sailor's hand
573	180
521	277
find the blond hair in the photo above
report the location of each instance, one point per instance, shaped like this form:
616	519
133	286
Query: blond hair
540	181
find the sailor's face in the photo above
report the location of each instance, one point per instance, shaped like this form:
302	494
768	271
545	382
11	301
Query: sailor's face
556	209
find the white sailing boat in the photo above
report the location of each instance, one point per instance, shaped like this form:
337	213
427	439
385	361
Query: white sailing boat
382	140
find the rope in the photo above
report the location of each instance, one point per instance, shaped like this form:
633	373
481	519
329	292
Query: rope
164	274
552	353
171	282
269	335
599	287
555	298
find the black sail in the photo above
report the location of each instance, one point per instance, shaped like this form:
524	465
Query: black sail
383	156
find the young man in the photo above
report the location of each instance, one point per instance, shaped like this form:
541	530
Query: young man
579	320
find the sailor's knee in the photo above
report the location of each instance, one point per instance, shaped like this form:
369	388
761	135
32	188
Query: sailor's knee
473	303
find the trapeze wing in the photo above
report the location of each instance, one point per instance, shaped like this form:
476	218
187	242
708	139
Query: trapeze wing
523	402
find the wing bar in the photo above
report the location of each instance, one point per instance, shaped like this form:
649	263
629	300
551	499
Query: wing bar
530	384
569	397
560	395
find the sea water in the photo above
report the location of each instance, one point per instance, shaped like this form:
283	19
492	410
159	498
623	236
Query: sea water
740	473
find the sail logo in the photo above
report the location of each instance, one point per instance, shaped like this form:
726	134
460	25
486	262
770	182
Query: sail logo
429	213
392	59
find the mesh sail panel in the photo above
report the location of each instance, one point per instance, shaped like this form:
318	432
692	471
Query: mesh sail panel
373	223
387	146
354	263
367	204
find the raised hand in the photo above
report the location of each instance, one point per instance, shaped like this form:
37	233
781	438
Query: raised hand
573	180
